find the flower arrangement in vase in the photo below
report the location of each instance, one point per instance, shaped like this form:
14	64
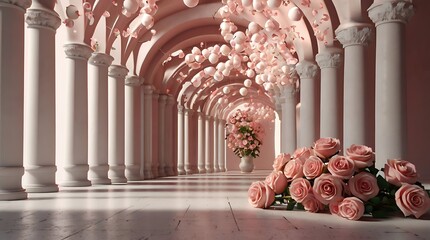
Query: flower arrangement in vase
319	179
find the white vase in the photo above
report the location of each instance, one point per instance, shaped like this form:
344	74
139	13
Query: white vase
246	164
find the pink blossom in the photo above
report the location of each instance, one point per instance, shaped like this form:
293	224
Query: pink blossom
299	189
351	208
277	181
280	161
341	167
293	169
362	156
364	186
260	195
326	147
400	171
412	200
327	188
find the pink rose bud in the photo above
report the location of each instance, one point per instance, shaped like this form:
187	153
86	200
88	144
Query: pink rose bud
260	195
327	188
293	169
311	204
362	156
280	161
412	200
341	167
351	208
326	147
400	171
364	186
277	181
303	152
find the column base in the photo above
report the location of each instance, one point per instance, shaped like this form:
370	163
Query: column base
148	174
98	175
132	173
209	170
202	170
40	179
181	171
75	176
117	174
189	172
10	184
222	169
155	172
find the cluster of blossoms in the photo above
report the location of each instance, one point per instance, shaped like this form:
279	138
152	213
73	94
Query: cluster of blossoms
244	134
319	179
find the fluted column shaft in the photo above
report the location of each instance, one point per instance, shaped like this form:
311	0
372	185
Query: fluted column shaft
154	125
39	101
288	119
170	166
201	142
187	140
75	132
354	40
132	128
308	125
180	165
329	62
116	134
215	144
98	118
221	145
147	124
162	135
390	18
209	144
12	99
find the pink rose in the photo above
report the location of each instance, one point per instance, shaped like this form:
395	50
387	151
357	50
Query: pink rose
412	200
326	147
260	195
293	169
341	167
313	167
351	208
362	156
277	181
303	152
280	161
334	206
400	171
311	204
327	188
300	189
364	186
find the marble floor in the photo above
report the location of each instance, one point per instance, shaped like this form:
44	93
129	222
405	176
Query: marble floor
212	206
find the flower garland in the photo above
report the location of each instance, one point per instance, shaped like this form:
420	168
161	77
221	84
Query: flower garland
319	179
244	134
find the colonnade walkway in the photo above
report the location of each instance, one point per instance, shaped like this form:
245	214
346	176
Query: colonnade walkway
210	206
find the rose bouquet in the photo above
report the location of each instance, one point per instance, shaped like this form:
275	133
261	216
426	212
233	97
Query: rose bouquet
320	179
244	135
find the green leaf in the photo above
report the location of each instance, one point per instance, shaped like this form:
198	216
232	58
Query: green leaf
300	206
380	214
375	201
373	170
291	204
368	208
382	183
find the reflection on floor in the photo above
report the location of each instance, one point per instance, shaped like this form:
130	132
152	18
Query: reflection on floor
212	206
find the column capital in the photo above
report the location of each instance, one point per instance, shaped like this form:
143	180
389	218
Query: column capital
170	100
77	50
391	11
162	99
180	109
354	34
329	59
148	89
42	18
200	115
24	4
100	59
306	69
132	81
188	112
117	71
287	92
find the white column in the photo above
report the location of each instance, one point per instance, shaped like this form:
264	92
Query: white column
169	159
187	140
215	144
39	101
12	99
132	128
162	135
288	119
181	169
98	118
209	144
307	72
116	117
390	126
354	39
329	62
221	145
201	142
147	124
277	136
75	132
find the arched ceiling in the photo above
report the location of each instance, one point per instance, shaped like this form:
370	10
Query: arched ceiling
145	36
